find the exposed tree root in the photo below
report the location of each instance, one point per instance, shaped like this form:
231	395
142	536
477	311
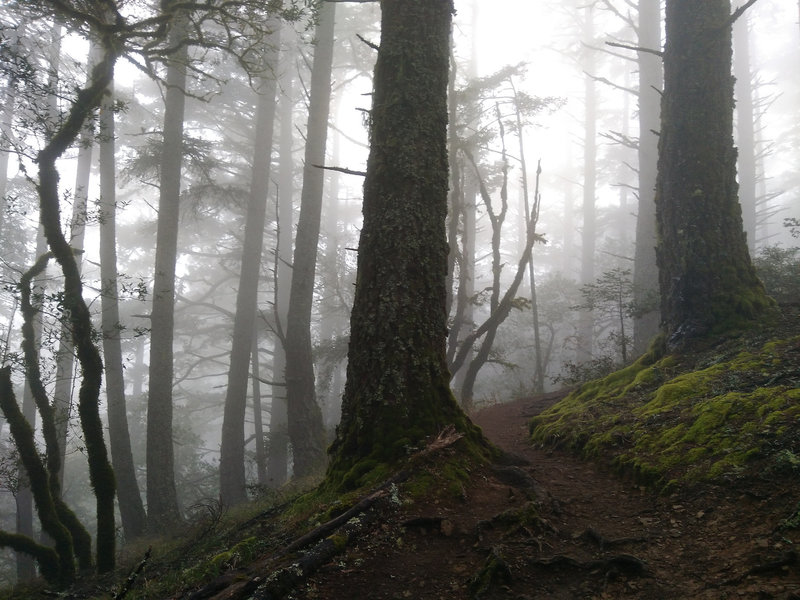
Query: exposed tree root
495	570
787	559
594	536
618	564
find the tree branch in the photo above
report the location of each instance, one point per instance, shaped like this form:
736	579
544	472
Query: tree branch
340	169
658	53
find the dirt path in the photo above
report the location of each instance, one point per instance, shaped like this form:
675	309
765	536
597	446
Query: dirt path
553	527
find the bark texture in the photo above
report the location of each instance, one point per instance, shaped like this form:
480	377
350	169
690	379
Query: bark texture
397	391
707	282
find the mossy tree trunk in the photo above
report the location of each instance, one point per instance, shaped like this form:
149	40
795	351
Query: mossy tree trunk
397	390
707	282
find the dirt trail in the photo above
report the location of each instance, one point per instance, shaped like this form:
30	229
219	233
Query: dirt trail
591	535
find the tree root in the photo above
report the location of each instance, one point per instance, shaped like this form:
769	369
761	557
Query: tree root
618	564
592	535
495	570
787	559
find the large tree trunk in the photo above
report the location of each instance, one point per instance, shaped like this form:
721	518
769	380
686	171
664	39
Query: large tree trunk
306	432
232	488
162	499
397	391
707	281
645	273
134	519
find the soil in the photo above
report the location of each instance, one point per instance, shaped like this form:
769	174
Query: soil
548	525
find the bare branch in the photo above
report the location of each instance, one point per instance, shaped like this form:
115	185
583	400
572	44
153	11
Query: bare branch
341	169
658	53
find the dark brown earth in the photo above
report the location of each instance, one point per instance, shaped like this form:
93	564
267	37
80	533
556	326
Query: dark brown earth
551	526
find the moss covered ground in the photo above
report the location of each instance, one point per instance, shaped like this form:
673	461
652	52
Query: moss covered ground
727	410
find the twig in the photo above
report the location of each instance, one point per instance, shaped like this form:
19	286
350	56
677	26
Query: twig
341	170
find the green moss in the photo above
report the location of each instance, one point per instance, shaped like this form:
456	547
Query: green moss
665	422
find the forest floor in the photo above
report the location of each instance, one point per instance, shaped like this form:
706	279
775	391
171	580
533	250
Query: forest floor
552	526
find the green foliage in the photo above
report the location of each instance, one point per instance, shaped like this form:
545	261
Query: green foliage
779	270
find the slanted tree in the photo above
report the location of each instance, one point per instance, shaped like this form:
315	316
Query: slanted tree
397	391
707	281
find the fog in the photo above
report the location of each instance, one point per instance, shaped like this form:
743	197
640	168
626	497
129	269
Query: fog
567	70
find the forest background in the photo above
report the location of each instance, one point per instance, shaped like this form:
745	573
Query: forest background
577	112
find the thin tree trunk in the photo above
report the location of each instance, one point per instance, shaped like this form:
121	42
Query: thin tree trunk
645	273
162	499
65	355
258	421
134	518
26	568
588	233
232	487
306	432
745	129
278	458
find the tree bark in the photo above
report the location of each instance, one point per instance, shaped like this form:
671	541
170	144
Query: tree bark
162	499
232	487
707	282
134	518
397	390
306	433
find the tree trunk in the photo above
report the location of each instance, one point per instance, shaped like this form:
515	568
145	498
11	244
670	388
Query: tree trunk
232	488
258	422
745	130
100	472
645	273
134	519
306	432
26	569
588	233
162	499
278	458
707	282
65	356
397	391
